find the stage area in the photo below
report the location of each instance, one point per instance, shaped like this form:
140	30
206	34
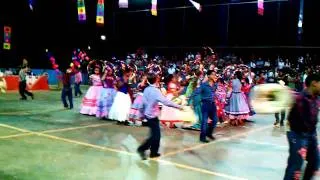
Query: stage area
39	139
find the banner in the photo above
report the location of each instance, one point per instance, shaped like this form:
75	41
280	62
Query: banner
7	38
260	7
81	11
100	12
123	4
154	8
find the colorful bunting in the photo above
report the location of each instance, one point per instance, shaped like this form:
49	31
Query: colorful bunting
100	12
7	38
154	8
81	10
123	4
260	7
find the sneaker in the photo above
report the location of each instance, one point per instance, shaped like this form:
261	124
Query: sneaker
281	124
204	141
276	123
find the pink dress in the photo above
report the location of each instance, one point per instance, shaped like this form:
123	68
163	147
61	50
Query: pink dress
89	102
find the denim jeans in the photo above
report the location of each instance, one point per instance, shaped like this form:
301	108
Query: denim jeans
67	92
209	110
302	146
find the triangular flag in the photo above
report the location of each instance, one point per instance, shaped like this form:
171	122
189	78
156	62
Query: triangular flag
123	4
154	8
196	5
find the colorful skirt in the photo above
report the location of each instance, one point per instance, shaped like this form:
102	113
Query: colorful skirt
105	102
89	102
237	107
135	114
120	108
171	116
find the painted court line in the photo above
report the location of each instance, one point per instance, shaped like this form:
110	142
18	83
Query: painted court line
200	170
50	131
127	153
264	143
216	141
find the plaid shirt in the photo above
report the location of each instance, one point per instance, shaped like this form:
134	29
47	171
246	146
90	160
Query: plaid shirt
303	116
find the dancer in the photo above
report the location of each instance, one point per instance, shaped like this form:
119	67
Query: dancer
23	83
195	99
151	97
67	90
89	102
3	83
302	137
107	94
135	114
209	109
121	106
77	82
220	99
237	109
281	79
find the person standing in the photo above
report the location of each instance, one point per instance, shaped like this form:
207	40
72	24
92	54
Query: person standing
302	137
78	80
152	96
67	90
209	109
23	84
284	80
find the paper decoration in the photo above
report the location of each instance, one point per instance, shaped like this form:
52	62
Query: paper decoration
261	7
154	8
196	5
7	38
81	11
100	12
31	5
123	4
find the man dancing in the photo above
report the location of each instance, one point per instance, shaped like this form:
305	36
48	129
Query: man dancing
23	84
302	137
150	109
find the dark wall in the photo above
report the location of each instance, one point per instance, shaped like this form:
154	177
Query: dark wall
53	25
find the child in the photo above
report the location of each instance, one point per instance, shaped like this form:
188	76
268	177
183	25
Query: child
67	90
3	84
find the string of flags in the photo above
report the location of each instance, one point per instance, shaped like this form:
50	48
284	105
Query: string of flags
196	5
261	7
81	11
100	12
7	38
154	11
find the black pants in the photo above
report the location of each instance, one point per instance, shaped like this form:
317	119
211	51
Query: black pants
153	142
283	116
23	91
67	92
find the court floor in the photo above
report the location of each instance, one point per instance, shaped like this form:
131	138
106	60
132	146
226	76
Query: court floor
39	139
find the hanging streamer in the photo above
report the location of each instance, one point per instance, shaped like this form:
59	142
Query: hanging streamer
31	5
196	5
100	12
260	7
81	10
123	4
154	8
7	38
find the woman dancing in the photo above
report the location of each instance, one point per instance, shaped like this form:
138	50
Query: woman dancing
237	110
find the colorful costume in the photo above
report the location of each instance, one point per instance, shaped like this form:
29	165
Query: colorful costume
89	102
195	101
237	107
135	114
121	106
220	99
106	99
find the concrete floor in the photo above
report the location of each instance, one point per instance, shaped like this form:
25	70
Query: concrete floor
41	140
